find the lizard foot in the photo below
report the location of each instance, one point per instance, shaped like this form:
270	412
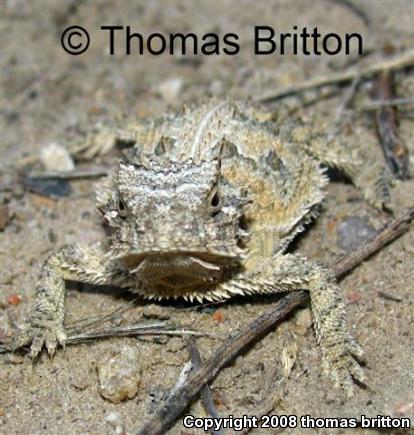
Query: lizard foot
342	364
38	334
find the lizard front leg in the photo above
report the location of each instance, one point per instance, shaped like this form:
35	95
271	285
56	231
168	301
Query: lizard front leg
77	263
292	272
372	178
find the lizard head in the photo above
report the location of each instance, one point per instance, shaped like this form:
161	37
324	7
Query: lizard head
176	224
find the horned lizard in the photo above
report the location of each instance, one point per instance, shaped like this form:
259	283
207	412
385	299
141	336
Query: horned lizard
203	207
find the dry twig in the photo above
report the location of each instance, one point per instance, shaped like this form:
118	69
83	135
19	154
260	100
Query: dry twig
178	402
92	321
76	174
374	105
348	97
399	62
125	331
395	153
205	392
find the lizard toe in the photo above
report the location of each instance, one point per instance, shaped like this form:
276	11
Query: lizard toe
36	346
344	368
37	337
354	348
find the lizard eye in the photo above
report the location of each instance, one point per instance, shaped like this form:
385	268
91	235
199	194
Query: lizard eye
215	201
122	210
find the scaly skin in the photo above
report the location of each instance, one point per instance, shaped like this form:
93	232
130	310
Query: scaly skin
204	207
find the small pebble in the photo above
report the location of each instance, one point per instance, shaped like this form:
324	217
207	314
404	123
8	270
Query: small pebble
56	158
170	89
352	231
14	299
353	296
52	188
119	375
216	87
175	344
52	236
153	311
303	319
404	408
331	226
159	339
115	420
86	215
208	309
14	358
218	316
219	399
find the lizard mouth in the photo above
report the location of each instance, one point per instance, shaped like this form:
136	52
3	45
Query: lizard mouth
178	270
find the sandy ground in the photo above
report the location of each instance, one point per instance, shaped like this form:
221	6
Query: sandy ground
49	96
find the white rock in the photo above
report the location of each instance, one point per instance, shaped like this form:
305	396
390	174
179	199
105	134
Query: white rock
119	374
170	89
216	87
303	320
56	158
115	420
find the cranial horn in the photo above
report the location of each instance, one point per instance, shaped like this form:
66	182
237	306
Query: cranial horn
218	150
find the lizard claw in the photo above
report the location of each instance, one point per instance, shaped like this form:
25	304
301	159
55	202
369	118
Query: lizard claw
36	346
47	335
342	365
